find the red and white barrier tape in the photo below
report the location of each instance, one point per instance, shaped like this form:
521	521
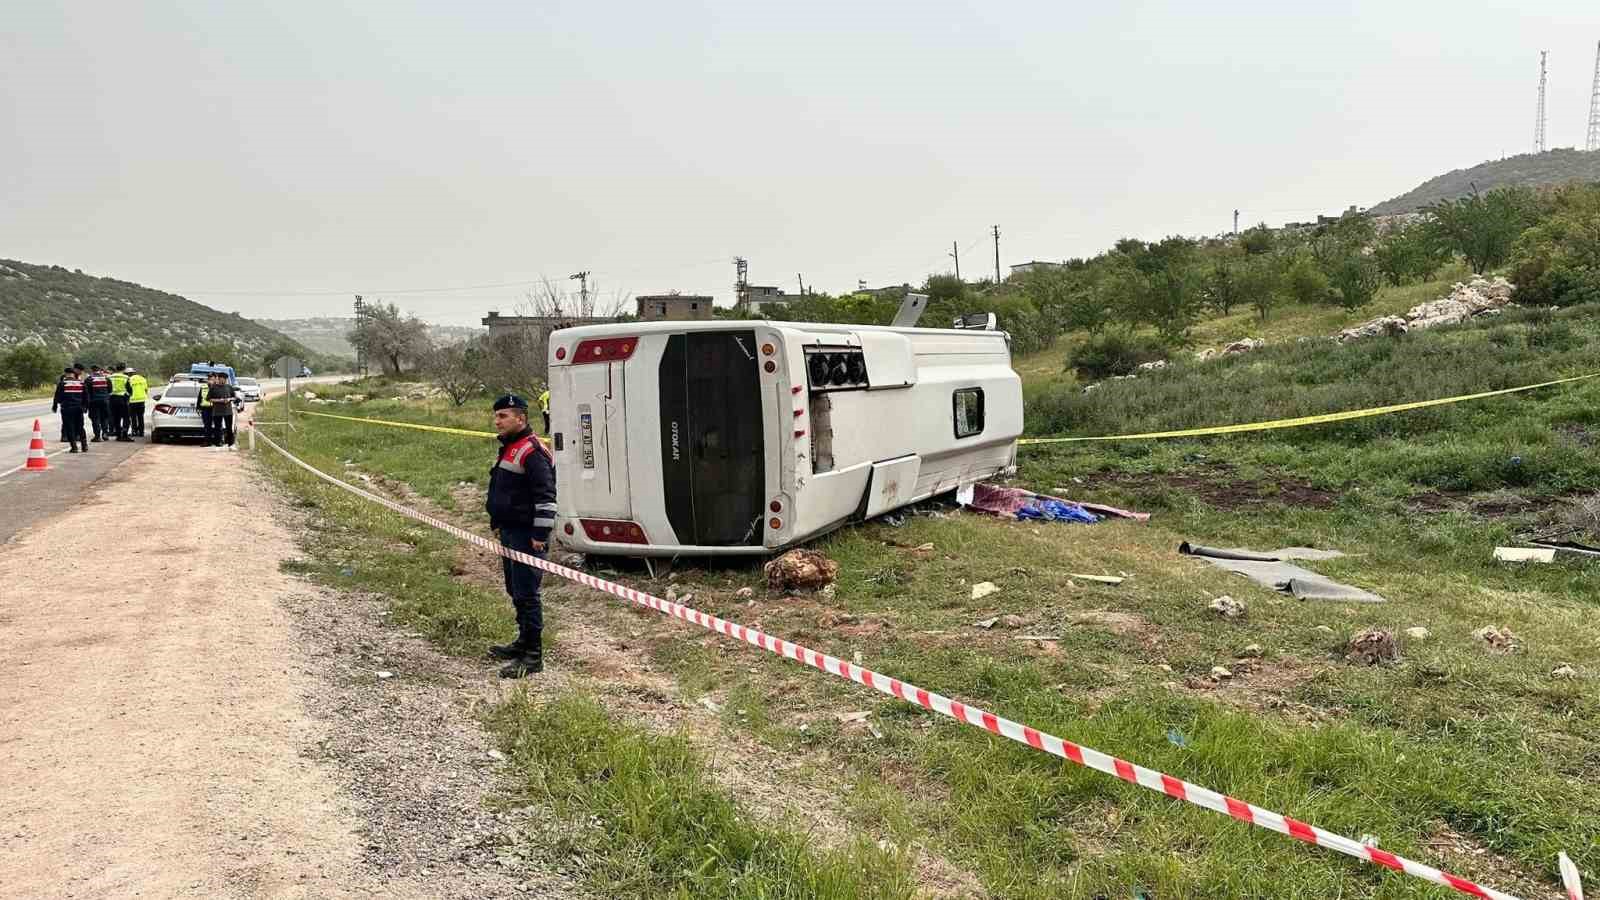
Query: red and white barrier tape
969	715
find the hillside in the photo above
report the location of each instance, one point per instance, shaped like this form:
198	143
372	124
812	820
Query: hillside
326	334
70	311
1526	170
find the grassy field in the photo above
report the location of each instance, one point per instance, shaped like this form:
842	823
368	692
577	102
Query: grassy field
8	395
1476	760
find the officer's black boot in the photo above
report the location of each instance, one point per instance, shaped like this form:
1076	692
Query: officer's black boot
512	650
531	662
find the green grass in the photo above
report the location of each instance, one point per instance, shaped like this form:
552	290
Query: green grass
1452	738
8	395
644	817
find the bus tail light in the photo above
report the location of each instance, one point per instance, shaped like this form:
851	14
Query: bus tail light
604	350
613	531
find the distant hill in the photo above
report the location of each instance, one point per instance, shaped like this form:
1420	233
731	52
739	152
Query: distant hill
69	311
1528	170
327	334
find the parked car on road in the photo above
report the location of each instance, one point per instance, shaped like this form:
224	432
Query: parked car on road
249	389
176	413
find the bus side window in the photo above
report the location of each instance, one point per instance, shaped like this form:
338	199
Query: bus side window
969	412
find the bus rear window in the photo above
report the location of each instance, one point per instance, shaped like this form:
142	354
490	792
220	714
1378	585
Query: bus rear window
969	412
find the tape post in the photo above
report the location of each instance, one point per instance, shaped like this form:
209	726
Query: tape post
1087	757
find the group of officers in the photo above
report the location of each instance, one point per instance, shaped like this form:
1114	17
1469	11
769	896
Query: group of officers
113	399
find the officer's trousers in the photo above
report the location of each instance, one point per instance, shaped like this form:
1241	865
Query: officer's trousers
522	582
72	424
136	418
119	416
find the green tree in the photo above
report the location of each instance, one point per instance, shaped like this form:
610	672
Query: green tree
1305	282
1355	280
1160	284
1258	241
29	366
1483	227
1219	286
1557	262
1260	284
179	359
1409	253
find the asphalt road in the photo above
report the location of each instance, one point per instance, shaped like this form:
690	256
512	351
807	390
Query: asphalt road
16	422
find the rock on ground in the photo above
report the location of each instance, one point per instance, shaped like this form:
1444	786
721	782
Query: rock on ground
1373	646
801	570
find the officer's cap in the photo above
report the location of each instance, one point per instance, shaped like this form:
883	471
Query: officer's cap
67	370
510	401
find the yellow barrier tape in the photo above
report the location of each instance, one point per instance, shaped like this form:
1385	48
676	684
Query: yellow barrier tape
438	428
1148	435
1304	420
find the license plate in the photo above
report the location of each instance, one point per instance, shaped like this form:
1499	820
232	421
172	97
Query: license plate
185	412
586	421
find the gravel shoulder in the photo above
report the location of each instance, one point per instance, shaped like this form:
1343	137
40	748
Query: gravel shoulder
181	718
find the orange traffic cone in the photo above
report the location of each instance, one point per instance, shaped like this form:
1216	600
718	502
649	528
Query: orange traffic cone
36	460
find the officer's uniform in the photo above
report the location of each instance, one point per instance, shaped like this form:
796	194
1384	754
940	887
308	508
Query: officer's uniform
70	400
99	391
138	394
522	508
119	403
544	407
203	403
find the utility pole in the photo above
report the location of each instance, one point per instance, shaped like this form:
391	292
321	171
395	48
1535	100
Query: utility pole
361	359
1538	128
583	291
1593	143
741	281
1236	223
997	256
955	254
802	279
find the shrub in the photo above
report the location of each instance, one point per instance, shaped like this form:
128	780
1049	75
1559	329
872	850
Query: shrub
28	366
1115	351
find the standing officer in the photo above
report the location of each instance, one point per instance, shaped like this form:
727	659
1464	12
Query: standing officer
522	508
70	398
138	394
119	401
99	391
202	402
544	407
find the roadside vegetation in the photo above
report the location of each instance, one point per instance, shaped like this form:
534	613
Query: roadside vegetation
1472	754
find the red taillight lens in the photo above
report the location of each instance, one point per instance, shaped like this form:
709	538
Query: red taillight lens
603	350
567	528
612	531
776	506
561	353
775	522
166	409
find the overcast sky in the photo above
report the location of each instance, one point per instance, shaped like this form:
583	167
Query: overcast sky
275	158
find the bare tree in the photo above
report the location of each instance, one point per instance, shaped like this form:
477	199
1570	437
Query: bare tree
384	332
453	367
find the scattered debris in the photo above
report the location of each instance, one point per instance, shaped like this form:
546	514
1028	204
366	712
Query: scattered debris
1324	629
1102	579
672	593
893	520
711	704
1500	640
1418	633
985	623
1525	554
496	755
1016	503
1038	637
983	589
828	592
1152	366
1220	673
848	718
745	593
1227	607
1176	738
1164	667
801	570
1563	671
1012	620
1271	570
1382	325
1373	646
1244	345
385	674
1251	651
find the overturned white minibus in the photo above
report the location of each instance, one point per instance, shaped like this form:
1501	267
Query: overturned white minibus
745	437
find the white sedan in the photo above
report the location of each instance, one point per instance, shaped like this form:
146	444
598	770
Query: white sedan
249	389
175	413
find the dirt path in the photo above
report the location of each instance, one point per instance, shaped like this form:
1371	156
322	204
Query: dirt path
180	718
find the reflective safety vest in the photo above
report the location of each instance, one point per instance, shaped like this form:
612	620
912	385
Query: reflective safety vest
544	402
138	388
119	384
